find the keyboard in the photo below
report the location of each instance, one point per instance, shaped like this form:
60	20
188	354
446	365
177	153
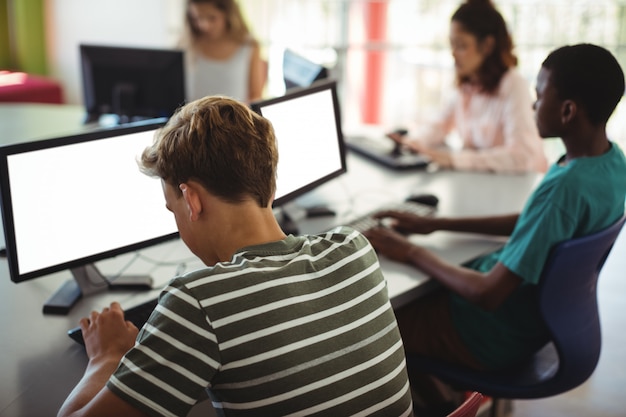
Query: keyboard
367	221
384	151
138	315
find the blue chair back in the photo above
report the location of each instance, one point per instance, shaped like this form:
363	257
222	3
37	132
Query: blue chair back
568	302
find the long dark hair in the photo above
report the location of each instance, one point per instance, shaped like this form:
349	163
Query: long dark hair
236	26
482	19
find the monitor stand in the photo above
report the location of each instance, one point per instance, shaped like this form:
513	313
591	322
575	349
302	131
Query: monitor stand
87	281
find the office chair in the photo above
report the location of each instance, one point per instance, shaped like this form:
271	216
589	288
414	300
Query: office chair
568	303
470	406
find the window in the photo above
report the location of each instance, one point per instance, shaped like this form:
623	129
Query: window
392	59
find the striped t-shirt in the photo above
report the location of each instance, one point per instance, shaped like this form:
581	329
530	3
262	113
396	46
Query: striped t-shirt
301	326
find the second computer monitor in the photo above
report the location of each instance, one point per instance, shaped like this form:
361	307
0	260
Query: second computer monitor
311	150
131	83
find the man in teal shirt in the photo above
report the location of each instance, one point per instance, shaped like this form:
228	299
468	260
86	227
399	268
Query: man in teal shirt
487	317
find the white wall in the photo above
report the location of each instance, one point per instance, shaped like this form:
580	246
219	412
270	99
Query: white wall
134	23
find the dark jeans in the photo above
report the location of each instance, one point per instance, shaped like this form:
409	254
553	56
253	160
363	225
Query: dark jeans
426	328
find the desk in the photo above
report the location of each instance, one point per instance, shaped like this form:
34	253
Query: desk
39	364
20	122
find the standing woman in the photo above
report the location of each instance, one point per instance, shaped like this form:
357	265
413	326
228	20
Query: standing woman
491	108
222	56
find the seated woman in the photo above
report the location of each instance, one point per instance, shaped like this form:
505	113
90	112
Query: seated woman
222	56
491	109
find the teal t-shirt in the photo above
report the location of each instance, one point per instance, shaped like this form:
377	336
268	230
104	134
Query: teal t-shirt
579	198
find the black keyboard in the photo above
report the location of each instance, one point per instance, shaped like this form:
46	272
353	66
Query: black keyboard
367	221
385	152
138	315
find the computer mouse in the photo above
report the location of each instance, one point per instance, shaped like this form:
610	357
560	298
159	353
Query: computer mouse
401	131
427	199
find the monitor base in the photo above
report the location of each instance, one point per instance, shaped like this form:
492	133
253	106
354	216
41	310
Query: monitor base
88	280
62	301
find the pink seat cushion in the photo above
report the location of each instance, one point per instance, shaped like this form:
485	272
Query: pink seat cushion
19	87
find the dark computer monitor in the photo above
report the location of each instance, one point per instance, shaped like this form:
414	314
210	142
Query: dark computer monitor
299	71
131	83
311	150
68	202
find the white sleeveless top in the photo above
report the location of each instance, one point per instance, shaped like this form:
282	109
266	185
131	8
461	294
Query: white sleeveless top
205	76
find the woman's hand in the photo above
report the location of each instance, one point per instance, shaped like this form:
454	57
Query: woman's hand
441	157
397	137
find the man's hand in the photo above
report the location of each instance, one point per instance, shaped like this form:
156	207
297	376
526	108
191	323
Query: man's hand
408	223
107	339
107	335
390	243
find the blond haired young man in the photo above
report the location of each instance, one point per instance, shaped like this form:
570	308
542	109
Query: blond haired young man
274	325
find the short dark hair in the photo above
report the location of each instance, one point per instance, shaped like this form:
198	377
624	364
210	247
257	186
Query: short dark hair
589	75
482	19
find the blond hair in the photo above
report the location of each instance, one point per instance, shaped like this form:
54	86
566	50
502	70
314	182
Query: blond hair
220	143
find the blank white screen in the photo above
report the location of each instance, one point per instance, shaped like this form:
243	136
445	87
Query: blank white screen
308	146
74	201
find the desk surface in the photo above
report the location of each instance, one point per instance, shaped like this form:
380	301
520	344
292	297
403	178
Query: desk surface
39	364
20	122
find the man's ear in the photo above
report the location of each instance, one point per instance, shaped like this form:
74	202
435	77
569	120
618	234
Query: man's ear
569	111
192	200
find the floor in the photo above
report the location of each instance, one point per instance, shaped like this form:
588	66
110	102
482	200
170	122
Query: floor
603	394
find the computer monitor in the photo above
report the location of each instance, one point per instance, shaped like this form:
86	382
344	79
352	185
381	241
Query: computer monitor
71	201
299	71
311	150
68	202
131	83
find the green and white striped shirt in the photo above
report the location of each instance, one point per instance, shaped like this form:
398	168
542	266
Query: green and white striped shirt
298	327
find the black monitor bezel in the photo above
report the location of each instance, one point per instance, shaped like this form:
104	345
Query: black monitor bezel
124	54
323	85
7	209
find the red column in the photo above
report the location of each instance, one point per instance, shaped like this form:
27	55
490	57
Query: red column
375	32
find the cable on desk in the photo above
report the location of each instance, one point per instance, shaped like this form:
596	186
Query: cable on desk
111	280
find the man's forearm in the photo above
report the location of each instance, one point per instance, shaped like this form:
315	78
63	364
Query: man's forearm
95	378
458	279
492	225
